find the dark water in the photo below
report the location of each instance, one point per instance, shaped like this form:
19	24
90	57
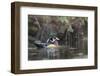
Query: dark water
55	53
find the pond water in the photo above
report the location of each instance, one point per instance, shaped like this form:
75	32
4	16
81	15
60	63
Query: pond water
60	52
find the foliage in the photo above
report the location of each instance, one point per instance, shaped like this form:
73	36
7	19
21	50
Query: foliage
41	27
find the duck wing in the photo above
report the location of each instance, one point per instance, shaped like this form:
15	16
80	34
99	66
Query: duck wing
40	45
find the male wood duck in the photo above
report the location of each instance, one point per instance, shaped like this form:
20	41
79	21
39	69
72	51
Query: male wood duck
51	42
